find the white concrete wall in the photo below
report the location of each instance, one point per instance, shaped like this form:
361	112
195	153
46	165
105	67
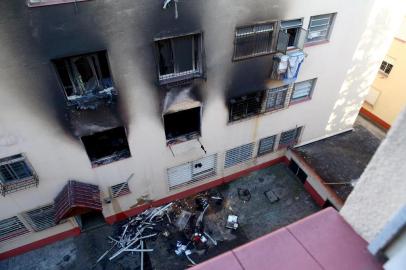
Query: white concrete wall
344	67
380	192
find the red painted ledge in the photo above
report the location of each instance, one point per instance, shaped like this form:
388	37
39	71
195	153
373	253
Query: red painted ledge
134	211
375	119
40	243
139	209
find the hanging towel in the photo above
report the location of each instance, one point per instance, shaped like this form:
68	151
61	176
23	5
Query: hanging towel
294	63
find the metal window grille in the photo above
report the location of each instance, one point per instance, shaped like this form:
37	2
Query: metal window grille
266	145
253	40
245	106
178	68
386	67
191	172
16	174
41	218
120	190
302	90
275	98
11	228
320	27
238	155
290	137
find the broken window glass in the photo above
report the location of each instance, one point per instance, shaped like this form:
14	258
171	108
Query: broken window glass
179	57
182	123
245	106
84	75
107	146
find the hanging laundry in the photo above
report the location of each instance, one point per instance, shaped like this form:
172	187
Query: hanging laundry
294	63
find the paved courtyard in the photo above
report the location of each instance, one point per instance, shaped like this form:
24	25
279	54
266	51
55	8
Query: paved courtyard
257	216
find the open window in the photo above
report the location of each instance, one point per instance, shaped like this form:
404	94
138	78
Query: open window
107	146
183	125
181	115
290	138
179	58
296	34
85	75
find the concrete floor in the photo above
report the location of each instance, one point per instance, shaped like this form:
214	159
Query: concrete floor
257	217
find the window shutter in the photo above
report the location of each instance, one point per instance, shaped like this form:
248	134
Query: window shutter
192	171
41	218
301	38
239	154
282	44
11	228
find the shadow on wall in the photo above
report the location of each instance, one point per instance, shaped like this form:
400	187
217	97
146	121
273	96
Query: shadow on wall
374	43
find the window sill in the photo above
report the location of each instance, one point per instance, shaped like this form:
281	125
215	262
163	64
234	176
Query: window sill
256	115
110	159
181	78
253	56
183	138
52	2
294	102
315	43
91	100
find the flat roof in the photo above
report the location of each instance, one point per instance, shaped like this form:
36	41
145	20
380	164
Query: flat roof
340	160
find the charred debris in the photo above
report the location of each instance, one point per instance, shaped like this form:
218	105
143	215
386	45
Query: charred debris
180	223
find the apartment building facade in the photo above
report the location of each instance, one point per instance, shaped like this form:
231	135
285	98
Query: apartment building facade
110	107
386	97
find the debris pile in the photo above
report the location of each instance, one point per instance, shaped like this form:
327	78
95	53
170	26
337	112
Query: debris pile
180	223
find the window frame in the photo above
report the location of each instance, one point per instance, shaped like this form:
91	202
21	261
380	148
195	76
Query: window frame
298	129
384	71
52	2
332	19
298	28
284	89
305	98
261	153
96	68
184	75
238	101
17	184
275	32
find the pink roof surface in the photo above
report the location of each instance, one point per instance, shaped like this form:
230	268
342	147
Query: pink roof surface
322	241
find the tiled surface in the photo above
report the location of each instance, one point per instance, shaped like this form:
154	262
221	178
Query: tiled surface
322	241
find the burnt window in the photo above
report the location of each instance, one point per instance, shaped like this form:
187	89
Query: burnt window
253	40
16	174
84	75
290	137
183	124
107	146
245	106
179	58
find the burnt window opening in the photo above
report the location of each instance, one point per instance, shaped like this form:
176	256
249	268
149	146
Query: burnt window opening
182	125
107	146
85	75
253	40
245	106
179	58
